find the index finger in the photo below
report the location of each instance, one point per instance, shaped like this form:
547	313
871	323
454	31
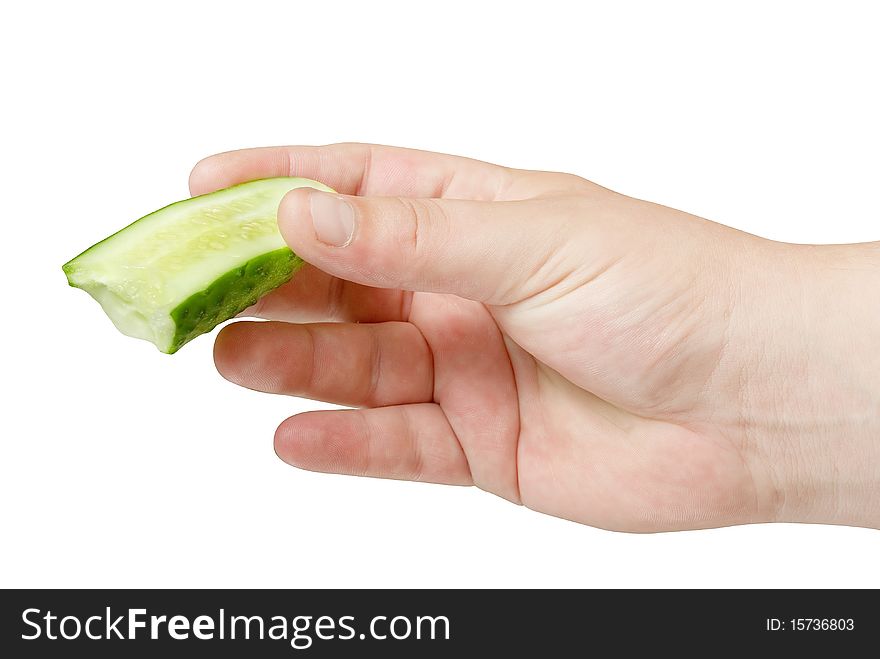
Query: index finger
357	169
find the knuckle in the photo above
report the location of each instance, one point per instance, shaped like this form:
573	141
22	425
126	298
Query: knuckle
307	375
543	184
373	393
425	219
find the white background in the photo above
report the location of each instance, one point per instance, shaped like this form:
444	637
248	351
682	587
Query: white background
121	466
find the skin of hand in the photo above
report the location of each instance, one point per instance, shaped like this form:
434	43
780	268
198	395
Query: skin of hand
589	355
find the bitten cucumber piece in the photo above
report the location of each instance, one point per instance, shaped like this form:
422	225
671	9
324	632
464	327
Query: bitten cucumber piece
178	272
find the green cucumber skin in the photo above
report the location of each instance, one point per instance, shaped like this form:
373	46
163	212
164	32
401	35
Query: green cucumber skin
227	294
232	293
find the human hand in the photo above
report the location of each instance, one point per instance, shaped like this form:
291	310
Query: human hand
589	355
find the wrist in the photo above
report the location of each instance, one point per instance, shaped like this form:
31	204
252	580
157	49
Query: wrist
823	457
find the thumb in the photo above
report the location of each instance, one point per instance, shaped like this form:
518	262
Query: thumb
493	252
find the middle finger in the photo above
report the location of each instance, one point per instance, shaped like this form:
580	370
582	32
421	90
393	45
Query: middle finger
344	363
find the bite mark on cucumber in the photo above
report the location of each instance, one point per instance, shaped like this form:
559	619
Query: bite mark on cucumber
182	270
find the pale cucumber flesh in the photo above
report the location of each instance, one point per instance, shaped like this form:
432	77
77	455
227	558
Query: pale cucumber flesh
178	272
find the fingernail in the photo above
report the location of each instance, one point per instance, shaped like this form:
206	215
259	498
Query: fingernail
333	219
